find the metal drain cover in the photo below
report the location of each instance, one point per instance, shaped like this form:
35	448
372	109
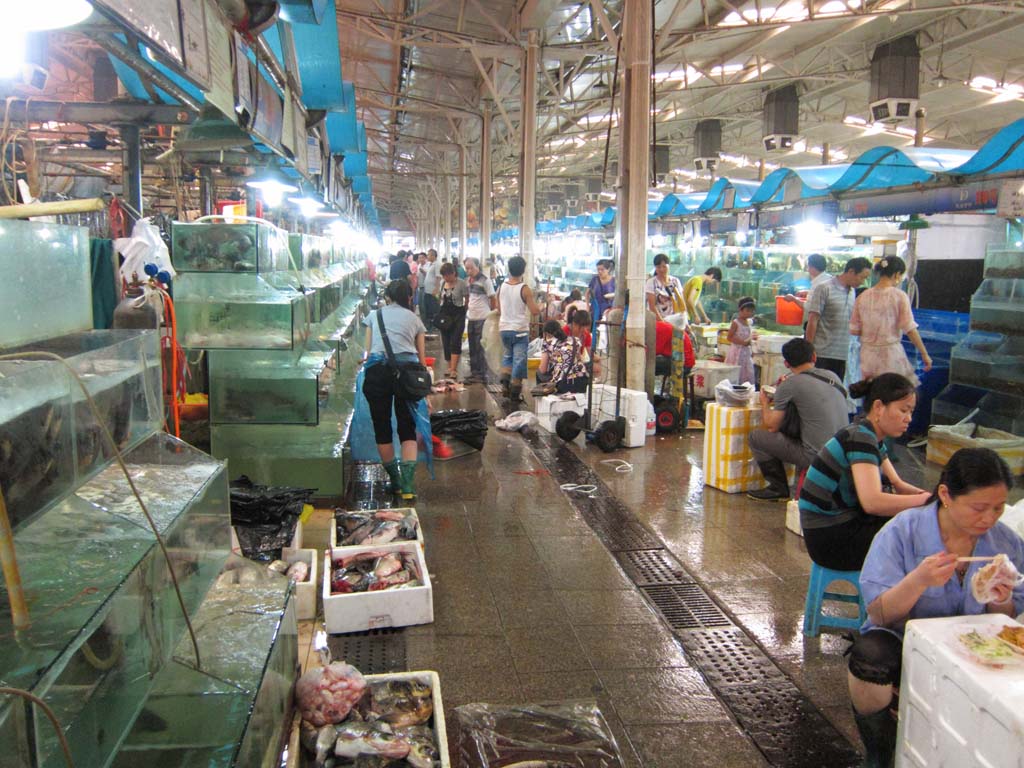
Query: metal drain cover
686	606
647	567
372	652
728	657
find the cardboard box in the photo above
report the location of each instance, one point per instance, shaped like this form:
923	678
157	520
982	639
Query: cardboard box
359	611
728	463
305	591
550	407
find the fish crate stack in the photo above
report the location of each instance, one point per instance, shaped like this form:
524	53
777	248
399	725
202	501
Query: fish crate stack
105	638
375	571
987	368
276	316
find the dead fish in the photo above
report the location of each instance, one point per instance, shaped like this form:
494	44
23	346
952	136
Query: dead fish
402	703
279	566
298	571
382	534
354	739
423	752
326	738
387	565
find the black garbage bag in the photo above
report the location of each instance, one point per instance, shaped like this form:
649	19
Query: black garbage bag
264	517
468	426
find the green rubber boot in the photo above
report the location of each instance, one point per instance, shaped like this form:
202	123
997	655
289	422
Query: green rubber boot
408	485
395	475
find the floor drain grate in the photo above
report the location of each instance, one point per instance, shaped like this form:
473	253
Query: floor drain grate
686	606
647	567
626	536
728	657
373	652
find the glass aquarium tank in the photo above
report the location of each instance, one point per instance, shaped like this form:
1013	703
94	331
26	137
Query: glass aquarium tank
219	246
998	306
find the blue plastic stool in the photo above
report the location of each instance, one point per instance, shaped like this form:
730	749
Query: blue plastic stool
817	593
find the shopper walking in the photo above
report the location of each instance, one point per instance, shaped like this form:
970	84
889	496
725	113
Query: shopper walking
741	335
601	289
515	306
406	334
664	291
430	279
399	269
913	571
881	315
808	408
842	504
481	303
451	317
828	311
692	292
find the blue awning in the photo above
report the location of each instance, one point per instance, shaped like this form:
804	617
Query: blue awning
729	193
814	181
1003	153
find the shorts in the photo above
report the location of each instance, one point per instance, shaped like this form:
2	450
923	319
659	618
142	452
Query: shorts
515	347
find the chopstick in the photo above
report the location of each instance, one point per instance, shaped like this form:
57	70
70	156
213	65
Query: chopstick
977	559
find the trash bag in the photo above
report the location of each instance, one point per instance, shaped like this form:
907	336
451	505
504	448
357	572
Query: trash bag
516	421
468	426
490	339
734	395
362	442
572	733
264	517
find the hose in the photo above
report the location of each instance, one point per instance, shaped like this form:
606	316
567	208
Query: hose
58	729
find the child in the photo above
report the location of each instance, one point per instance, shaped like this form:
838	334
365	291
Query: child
741	336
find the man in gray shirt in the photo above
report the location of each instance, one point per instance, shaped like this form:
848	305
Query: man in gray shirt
430	280
820	403
828	311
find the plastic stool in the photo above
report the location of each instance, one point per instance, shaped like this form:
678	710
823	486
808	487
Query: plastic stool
817	593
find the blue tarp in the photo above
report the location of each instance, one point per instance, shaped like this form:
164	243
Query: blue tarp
719	194
814	182
1003	153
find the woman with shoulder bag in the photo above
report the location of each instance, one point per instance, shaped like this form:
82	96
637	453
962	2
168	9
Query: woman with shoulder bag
451	318
394	339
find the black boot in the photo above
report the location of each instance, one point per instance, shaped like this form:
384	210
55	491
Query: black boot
506	383
774	472
515	394
878	732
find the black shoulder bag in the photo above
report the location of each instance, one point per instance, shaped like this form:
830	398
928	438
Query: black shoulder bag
790	426
412	380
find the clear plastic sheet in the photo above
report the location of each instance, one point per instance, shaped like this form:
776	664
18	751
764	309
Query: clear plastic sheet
572	734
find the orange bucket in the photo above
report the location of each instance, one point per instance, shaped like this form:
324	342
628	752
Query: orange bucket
788	312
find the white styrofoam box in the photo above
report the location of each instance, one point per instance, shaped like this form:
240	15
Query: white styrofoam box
954	711
632	407
296	542
359	611
707	374
772	366
770	343
434	681
550	407
334	532
305	591
793	517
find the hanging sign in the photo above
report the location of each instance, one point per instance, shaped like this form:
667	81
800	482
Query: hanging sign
243	83
157	22
221	91
268	118
195	44
1011	199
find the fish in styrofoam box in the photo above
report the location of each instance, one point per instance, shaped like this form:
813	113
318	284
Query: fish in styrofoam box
370	527
305	589
400	605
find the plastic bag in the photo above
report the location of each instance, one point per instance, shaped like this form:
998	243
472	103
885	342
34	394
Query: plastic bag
734	395
265	517
1001	571
145	246
326	695
490	340
535	348
573	734
516	421
362	442
468	426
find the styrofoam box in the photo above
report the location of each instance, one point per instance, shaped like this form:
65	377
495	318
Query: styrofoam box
359	611
334	532
632	407
296	542
955	712
793	517
434	681
550	407
707	374
770	343
772	366
305	591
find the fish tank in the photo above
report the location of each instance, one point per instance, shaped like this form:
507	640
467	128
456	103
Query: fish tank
220	246
270	387
50	438
998	306
1004	262
239	312
989	360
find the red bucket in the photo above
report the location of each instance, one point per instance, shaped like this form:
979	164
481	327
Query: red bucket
788	312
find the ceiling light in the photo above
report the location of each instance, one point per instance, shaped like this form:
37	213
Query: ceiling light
273	185
52	14
308	206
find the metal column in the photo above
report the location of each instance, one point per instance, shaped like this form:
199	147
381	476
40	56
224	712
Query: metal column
446	211
528	155
131	161
207	191
462	201
485	186
635	173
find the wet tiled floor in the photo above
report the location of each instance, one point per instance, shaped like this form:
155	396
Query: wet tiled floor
530	606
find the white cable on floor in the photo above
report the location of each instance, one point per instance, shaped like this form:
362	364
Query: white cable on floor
574	488
620	465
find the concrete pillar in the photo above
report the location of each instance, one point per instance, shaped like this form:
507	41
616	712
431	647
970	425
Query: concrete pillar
826	152
634	167
485	186
462	202
528	155
446	212
132	169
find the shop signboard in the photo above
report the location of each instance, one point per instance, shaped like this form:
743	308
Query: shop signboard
157	22
827	213
976	196
1011	199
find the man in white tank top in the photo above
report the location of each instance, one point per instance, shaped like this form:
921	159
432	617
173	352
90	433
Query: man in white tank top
515	307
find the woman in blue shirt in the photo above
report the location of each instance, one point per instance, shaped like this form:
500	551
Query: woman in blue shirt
912	572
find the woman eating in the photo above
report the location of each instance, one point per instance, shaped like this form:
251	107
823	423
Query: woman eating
842	504
915	570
